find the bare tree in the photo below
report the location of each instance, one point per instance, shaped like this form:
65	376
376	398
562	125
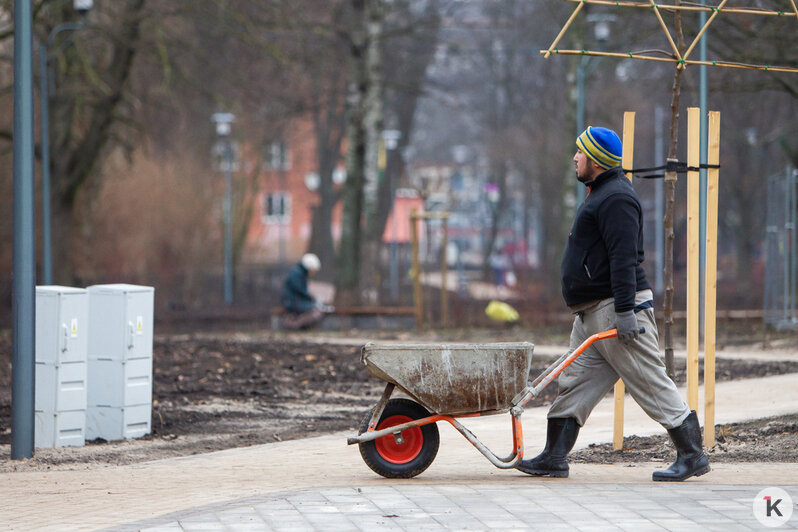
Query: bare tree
670	192
362	134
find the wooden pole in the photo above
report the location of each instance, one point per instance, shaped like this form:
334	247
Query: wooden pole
710	276
704	29
628	142
564	29
444	272
666	59
672	7
693	319
626	162
665	29
417	296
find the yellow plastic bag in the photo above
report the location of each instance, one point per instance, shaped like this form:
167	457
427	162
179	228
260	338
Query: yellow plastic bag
500	311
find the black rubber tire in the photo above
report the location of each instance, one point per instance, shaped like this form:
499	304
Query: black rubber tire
428	434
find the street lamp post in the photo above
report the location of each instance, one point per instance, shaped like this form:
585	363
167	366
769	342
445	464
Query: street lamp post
601	31
390	140
224	123
82	7
24	263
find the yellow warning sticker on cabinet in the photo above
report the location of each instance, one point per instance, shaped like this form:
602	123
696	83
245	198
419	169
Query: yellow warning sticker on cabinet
139	324
73	328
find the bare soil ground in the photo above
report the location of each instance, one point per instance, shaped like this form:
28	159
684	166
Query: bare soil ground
233	390
763	440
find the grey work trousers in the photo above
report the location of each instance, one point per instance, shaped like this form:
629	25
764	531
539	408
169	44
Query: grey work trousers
588	379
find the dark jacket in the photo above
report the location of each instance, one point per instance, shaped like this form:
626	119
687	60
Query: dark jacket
295	297
604	253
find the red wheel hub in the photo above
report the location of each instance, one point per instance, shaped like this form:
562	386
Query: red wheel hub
399	453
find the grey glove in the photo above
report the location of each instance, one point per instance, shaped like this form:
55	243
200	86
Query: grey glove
626	323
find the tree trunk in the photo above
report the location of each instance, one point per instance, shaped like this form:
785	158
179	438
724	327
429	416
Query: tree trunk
406	90
329	125
670	190
75	157
497	210
369	274
348	273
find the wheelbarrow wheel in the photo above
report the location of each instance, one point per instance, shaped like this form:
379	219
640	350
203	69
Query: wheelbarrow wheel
407	457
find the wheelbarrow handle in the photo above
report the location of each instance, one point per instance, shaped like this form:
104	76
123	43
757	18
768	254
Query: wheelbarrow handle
611	333
534	388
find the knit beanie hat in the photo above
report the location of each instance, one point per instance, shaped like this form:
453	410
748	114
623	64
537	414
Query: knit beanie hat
601	145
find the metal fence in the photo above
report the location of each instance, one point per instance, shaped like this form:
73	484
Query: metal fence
780	251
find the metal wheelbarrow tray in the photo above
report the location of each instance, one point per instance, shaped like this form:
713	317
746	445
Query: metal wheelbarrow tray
398	438
453	379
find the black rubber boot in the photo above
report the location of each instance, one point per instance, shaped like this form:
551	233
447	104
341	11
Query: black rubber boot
690	458
552	462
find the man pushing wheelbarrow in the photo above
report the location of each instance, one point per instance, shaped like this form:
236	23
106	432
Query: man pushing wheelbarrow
604	285
614	335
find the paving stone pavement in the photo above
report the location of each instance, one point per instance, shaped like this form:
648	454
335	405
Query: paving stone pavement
547	505
322	484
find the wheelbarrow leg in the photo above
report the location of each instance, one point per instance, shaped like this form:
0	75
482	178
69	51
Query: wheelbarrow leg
508	462
381	405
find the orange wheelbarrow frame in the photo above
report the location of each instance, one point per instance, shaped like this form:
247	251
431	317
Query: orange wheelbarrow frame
532	390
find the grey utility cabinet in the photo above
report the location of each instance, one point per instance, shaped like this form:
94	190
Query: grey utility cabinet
62	321
119	361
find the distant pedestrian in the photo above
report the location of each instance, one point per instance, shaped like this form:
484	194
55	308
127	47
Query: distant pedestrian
605	286
302	310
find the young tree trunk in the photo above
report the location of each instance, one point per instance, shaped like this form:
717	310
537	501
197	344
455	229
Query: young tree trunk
363	125
369	278
496	216
329	126
670	190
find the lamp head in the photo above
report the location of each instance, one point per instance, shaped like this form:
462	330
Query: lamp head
83	6
223	123
602	31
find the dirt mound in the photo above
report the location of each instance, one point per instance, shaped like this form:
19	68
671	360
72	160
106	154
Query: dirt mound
763	440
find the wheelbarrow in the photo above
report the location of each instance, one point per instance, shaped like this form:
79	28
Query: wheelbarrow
398	438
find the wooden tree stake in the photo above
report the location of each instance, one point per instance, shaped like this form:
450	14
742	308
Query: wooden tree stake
627	162
710	276
417	295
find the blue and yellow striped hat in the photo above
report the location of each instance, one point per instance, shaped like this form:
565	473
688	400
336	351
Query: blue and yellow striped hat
602	145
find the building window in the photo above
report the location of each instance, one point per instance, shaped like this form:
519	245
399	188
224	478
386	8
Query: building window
278	157
276	208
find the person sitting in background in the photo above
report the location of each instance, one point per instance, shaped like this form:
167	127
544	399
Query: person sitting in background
302	309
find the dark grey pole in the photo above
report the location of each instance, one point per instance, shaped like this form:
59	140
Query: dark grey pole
702	173
228	223
580	116
47	260
23	300
786	316
284	196
792	178
44	92
223	123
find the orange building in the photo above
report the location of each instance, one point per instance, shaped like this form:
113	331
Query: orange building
280	228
